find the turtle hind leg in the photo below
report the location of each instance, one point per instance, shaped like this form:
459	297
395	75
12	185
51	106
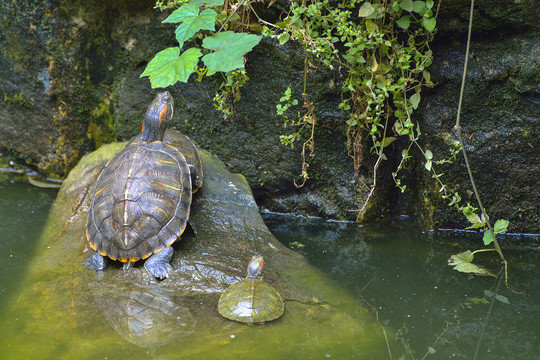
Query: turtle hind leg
158	265
96	262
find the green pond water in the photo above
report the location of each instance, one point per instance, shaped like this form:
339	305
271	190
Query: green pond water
400	274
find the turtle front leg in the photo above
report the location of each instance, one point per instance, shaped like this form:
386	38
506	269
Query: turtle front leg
158	265
96	262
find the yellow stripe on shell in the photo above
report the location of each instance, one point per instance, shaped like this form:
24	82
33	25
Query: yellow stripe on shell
169	186
100	190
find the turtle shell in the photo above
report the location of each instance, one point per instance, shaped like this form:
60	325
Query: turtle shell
251	300
187	148
141	201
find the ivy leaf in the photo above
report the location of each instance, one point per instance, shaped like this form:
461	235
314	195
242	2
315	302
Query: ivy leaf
404	22
501	226
191	21
429	24
407	5
166	68
415	100
229	50
366	9
462	263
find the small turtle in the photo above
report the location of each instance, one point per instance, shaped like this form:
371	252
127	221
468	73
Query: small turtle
251	300
142	197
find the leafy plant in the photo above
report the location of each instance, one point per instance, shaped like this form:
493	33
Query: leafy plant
382	50
221	51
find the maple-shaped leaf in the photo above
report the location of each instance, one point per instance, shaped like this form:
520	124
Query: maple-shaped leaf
463	262
166	68
191	21
229	49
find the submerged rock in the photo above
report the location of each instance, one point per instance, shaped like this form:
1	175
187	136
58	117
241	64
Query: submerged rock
67	311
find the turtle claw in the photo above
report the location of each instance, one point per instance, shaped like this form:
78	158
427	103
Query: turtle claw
158	264
96	262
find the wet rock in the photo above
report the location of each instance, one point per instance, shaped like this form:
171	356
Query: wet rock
66	310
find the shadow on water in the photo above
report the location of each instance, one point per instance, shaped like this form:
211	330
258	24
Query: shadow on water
23	212
402	274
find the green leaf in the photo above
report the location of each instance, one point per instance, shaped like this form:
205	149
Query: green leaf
405	154
404	22
284	37
229	49
462	262
476	226
427	76
166	68
387	141
488	238
415	100
186	64
474	219
366	9
371	27
208	3
428	165
428	155
429	4
160	69
429	24
376	14
191	21
406	5
419	7
501	226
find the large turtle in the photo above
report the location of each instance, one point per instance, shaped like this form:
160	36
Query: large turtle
142	197
251	300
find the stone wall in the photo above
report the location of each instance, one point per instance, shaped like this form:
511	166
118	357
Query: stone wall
70	82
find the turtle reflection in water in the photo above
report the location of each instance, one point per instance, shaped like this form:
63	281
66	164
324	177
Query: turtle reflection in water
142	200
251	300
141	317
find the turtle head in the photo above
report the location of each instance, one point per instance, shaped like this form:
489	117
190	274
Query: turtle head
255	266
157	117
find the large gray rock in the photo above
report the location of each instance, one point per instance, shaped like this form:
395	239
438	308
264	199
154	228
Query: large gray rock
65	310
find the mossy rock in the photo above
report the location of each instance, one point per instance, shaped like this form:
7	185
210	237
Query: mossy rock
66	311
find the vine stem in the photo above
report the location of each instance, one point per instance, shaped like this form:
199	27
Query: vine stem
457	129
230	16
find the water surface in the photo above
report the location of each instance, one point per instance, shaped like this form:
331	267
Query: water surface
23	212
403	276
429	310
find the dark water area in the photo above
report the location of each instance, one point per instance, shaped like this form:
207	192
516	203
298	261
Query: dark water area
429	310
435	312
23	213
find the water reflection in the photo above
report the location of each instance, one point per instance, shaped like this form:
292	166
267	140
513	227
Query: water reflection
402	275
141	317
